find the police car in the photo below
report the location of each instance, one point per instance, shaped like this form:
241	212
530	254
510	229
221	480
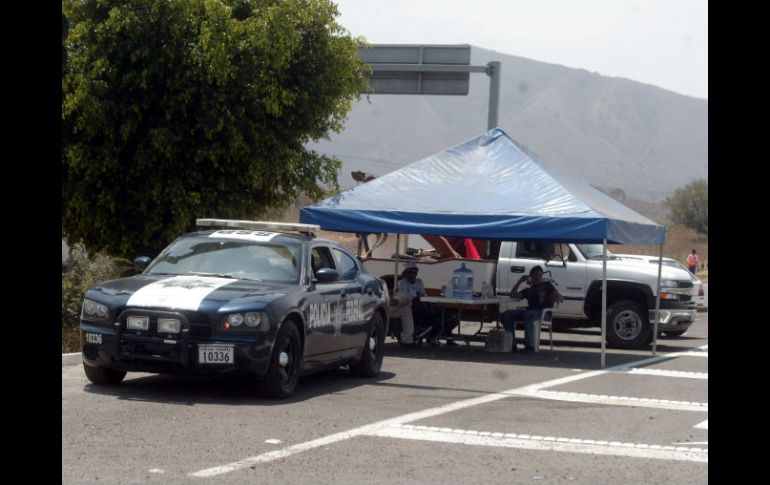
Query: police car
241	297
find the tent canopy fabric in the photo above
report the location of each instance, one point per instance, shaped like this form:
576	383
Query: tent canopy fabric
485	188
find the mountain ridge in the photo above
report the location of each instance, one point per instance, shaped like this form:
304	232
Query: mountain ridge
611	132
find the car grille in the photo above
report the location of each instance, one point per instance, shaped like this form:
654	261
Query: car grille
199	322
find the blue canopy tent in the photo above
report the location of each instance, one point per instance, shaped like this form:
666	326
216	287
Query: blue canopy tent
486	188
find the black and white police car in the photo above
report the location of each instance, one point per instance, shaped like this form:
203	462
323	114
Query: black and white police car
242	297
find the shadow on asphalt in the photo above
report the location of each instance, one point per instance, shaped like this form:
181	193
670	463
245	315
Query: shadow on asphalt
189	391
568	353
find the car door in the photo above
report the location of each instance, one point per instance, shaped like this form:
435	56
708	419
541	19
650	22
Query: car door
324	318
352	329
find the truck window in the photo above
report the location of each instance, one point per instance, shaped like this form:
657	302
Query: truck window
567	253
536	250
593	251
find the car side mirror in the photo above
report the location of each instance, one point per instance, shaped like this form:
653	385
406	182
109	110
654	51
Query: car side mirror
142	262
327	275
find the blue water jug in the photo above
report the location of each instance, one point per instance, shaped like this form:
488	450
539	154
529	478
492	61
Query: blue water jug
462	282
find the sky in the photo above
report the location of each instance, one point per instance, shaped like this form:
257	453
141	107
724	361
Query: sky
658	42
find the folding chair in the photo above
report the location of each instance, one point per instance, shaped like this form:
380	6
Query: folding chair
545	321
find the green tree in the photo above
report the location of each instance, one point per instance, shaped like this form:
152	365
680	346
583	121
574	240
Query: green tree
689	206
178	109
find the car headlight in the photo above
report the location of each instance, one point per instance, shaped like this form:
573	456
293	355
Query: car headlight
235	319
94	310
169	325
253	319
134	322
257	320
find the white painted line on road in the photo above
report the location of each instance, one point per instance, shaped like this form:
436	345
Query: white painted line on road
690	354
546	443
157	470
617	400
667	373
428	413
273	441
703	425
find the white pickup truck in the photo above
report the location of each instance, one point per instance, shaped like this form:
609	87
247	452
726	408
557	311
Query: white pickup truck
577	271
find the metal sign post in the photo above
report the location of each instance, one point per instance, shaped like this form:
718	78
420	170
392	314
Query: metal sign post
429	69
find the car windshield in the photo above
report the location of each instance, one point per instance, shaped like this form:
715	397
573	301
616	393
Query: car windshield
227	258
593	251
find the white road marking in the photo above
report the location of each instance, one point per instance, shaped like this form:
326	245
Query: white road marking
667	373
406	418
703	425
157	470
617	400
544	443
273	441
690	354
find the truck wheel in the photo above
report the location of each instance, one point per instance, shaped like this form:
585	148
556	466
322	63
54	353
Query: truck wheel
285	363
103	376
628	326
675	333
374	347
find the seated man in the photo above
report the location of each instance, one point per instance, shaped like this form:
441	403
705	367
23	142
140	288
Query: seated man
540	294
426	317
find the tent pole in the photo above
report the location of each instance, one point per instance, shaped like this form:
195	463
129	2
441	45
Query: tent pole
360	243
604	299
657	305
395	269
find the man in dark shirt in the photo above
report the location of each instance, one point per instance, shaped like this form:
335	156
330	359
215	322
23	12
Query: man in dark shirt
540	294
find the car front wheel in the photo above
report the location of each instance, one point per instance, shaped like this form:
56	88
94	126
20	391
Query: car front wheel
627	325
103	376
285	363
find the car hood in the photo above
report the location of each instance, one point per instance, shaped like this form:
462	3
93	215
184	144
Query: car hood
196	293
643	267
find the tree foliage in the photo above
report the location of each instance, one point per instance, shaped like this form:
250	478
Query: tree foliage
689	206
179	109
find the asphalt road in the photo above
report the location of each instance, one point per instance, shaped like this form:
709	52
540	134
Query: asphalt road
443	416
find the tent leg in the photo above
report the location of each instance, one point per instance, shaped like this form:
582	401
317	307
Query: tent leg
395	269
604	300
360	244
657	305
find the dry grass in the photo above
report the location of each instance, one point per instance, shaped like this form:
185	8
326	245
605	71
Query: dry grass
70	339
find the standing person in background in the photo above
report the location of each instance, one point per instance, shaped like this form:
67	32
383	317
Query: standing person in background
693	262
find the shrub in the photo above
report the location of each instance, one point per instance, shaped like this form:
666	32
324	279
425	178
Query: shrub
82	271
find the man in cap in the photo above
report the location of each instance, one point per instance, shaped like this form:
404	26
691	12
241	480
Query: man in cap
426	316
410	289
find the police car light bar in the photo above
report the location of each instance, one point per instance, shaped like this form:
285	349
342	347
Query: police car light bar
259	225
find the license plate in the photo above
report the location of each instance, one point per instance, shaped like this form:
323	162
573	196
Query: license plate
215	354
94	338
